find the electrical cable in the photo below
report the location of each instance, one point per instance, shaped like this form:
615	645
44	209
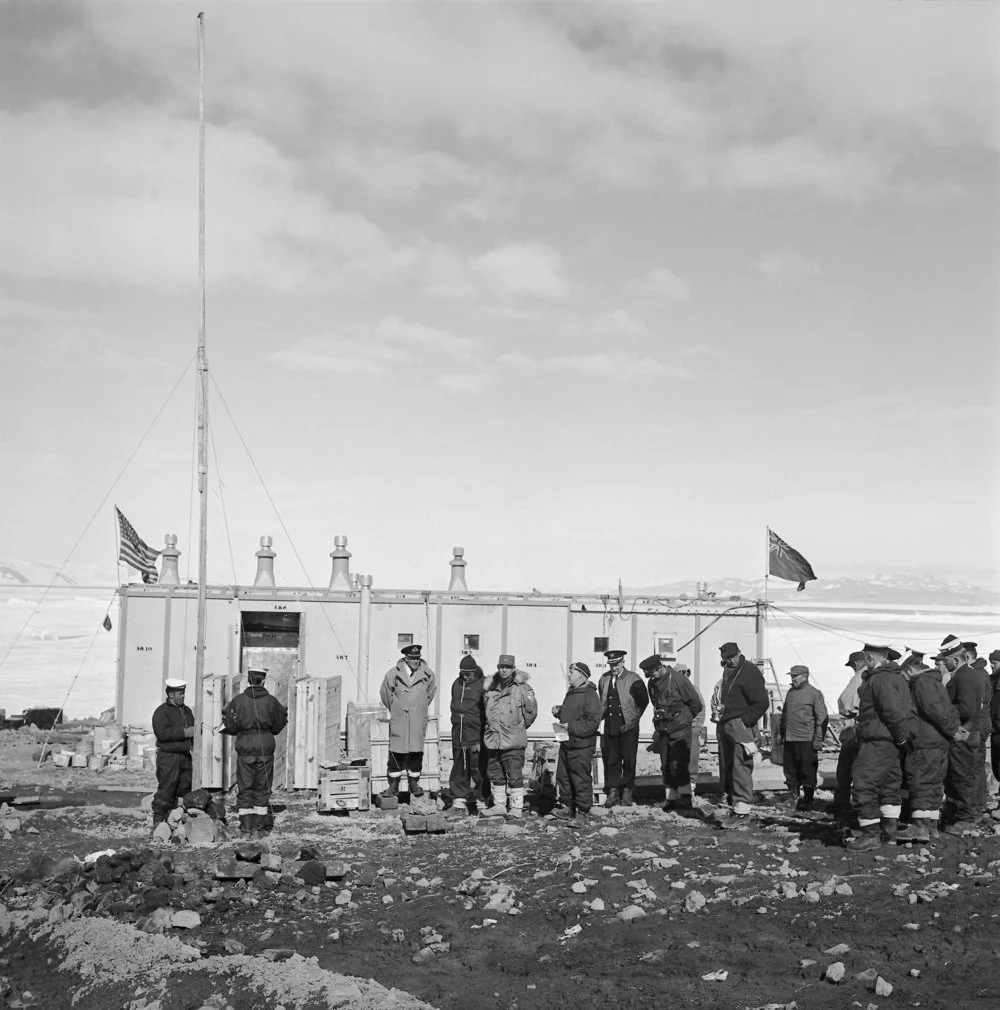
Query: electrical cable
362	687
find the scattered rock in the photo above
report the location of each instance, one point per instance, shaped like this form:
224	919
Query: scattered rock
185	919
840	948
868	975
630	913
882	988
312	873
277	954
335	870
694	902
835	972
11	824
162	832
414	824
234	947
233	869
597	905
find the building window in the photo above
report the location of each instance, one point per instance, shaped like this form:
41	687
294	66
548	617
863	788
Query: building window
665	647
601	644
402	641
470	643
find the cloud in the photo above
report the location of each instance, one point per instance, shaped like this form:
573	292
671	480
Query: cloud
374	348
468	383
125	207
621	365
523	269
661	281
788	266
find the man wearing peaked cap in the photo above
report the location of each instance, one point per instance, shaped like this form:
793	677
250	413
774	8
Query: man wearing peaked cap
803	726
970	691
742	700
254	717
407	690
623	700
173	726
884	712
675	704
847	706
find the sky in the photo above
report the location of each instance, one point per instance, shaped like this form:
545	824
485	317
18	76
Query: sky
596	291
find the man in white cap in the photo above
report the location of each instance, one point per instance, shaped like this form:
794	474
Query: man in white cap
173	726
254	718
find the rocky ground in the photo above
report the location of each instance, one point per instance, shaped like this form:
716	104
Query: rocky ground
636	909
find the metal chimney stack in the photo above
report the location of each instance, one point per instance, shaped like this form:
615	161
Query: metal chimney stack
340	577
457	584
265	564
169	575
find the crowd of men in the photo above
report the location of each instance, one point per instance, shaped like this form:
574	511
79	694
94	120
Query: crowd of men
912	745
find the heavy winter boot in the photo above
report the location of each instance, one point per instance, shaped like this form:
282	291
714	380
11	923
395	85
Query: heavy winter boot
613	798
392	789
915	831
890	825
685	799
246	826
499	807
415	790
563	811
867	840
258	824
626	798
516	803
806	803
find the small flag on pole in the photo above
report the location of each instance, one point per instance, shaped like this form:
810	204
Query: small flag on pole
786	563
106	623
134	551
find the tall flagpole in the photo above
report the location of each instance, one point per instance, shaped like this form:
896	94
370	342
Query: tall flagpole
202	398
767	572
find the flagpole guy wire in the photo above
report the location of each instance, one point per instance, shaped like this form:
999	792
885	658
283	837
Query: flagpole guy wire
76	676
97	511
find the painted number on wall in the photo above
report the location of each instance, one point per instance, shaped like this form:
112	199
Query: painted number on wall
342	655
143	648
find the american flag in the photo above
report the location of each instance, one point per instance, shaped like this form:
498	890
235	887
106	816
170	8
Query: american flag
134	551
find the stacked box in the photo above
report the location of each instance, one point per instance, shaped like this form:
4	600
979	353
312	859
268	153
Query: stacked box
62	759
97	761
346	787
78	761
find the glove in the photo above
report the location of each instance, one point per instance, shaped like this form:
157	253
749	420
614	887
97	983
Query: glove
961	735
189	732
817	745
749	724
556	709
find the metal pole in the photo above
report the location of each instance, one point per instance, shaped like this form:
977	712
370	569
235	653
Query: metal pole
202	398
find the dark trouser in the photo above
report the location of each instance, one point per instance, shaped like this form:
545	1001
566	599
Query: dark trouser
925	770
878	781
618	754
575	778
401	763
801	764
735	768
845	773
695	753
995	756
173	780
466	779
254	775
981	774
961	785
507	766
675	760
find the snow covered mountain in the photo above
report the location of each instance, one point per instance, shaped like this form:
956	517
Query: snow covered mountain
878	588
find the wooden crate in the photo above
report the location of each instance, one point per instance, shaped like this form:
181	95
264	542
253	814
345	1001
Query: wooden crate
430	775
347	787
359	720
317	729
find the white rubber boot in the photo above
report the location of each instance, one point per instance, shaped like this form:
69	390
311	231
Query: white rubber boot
499	807
516	803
